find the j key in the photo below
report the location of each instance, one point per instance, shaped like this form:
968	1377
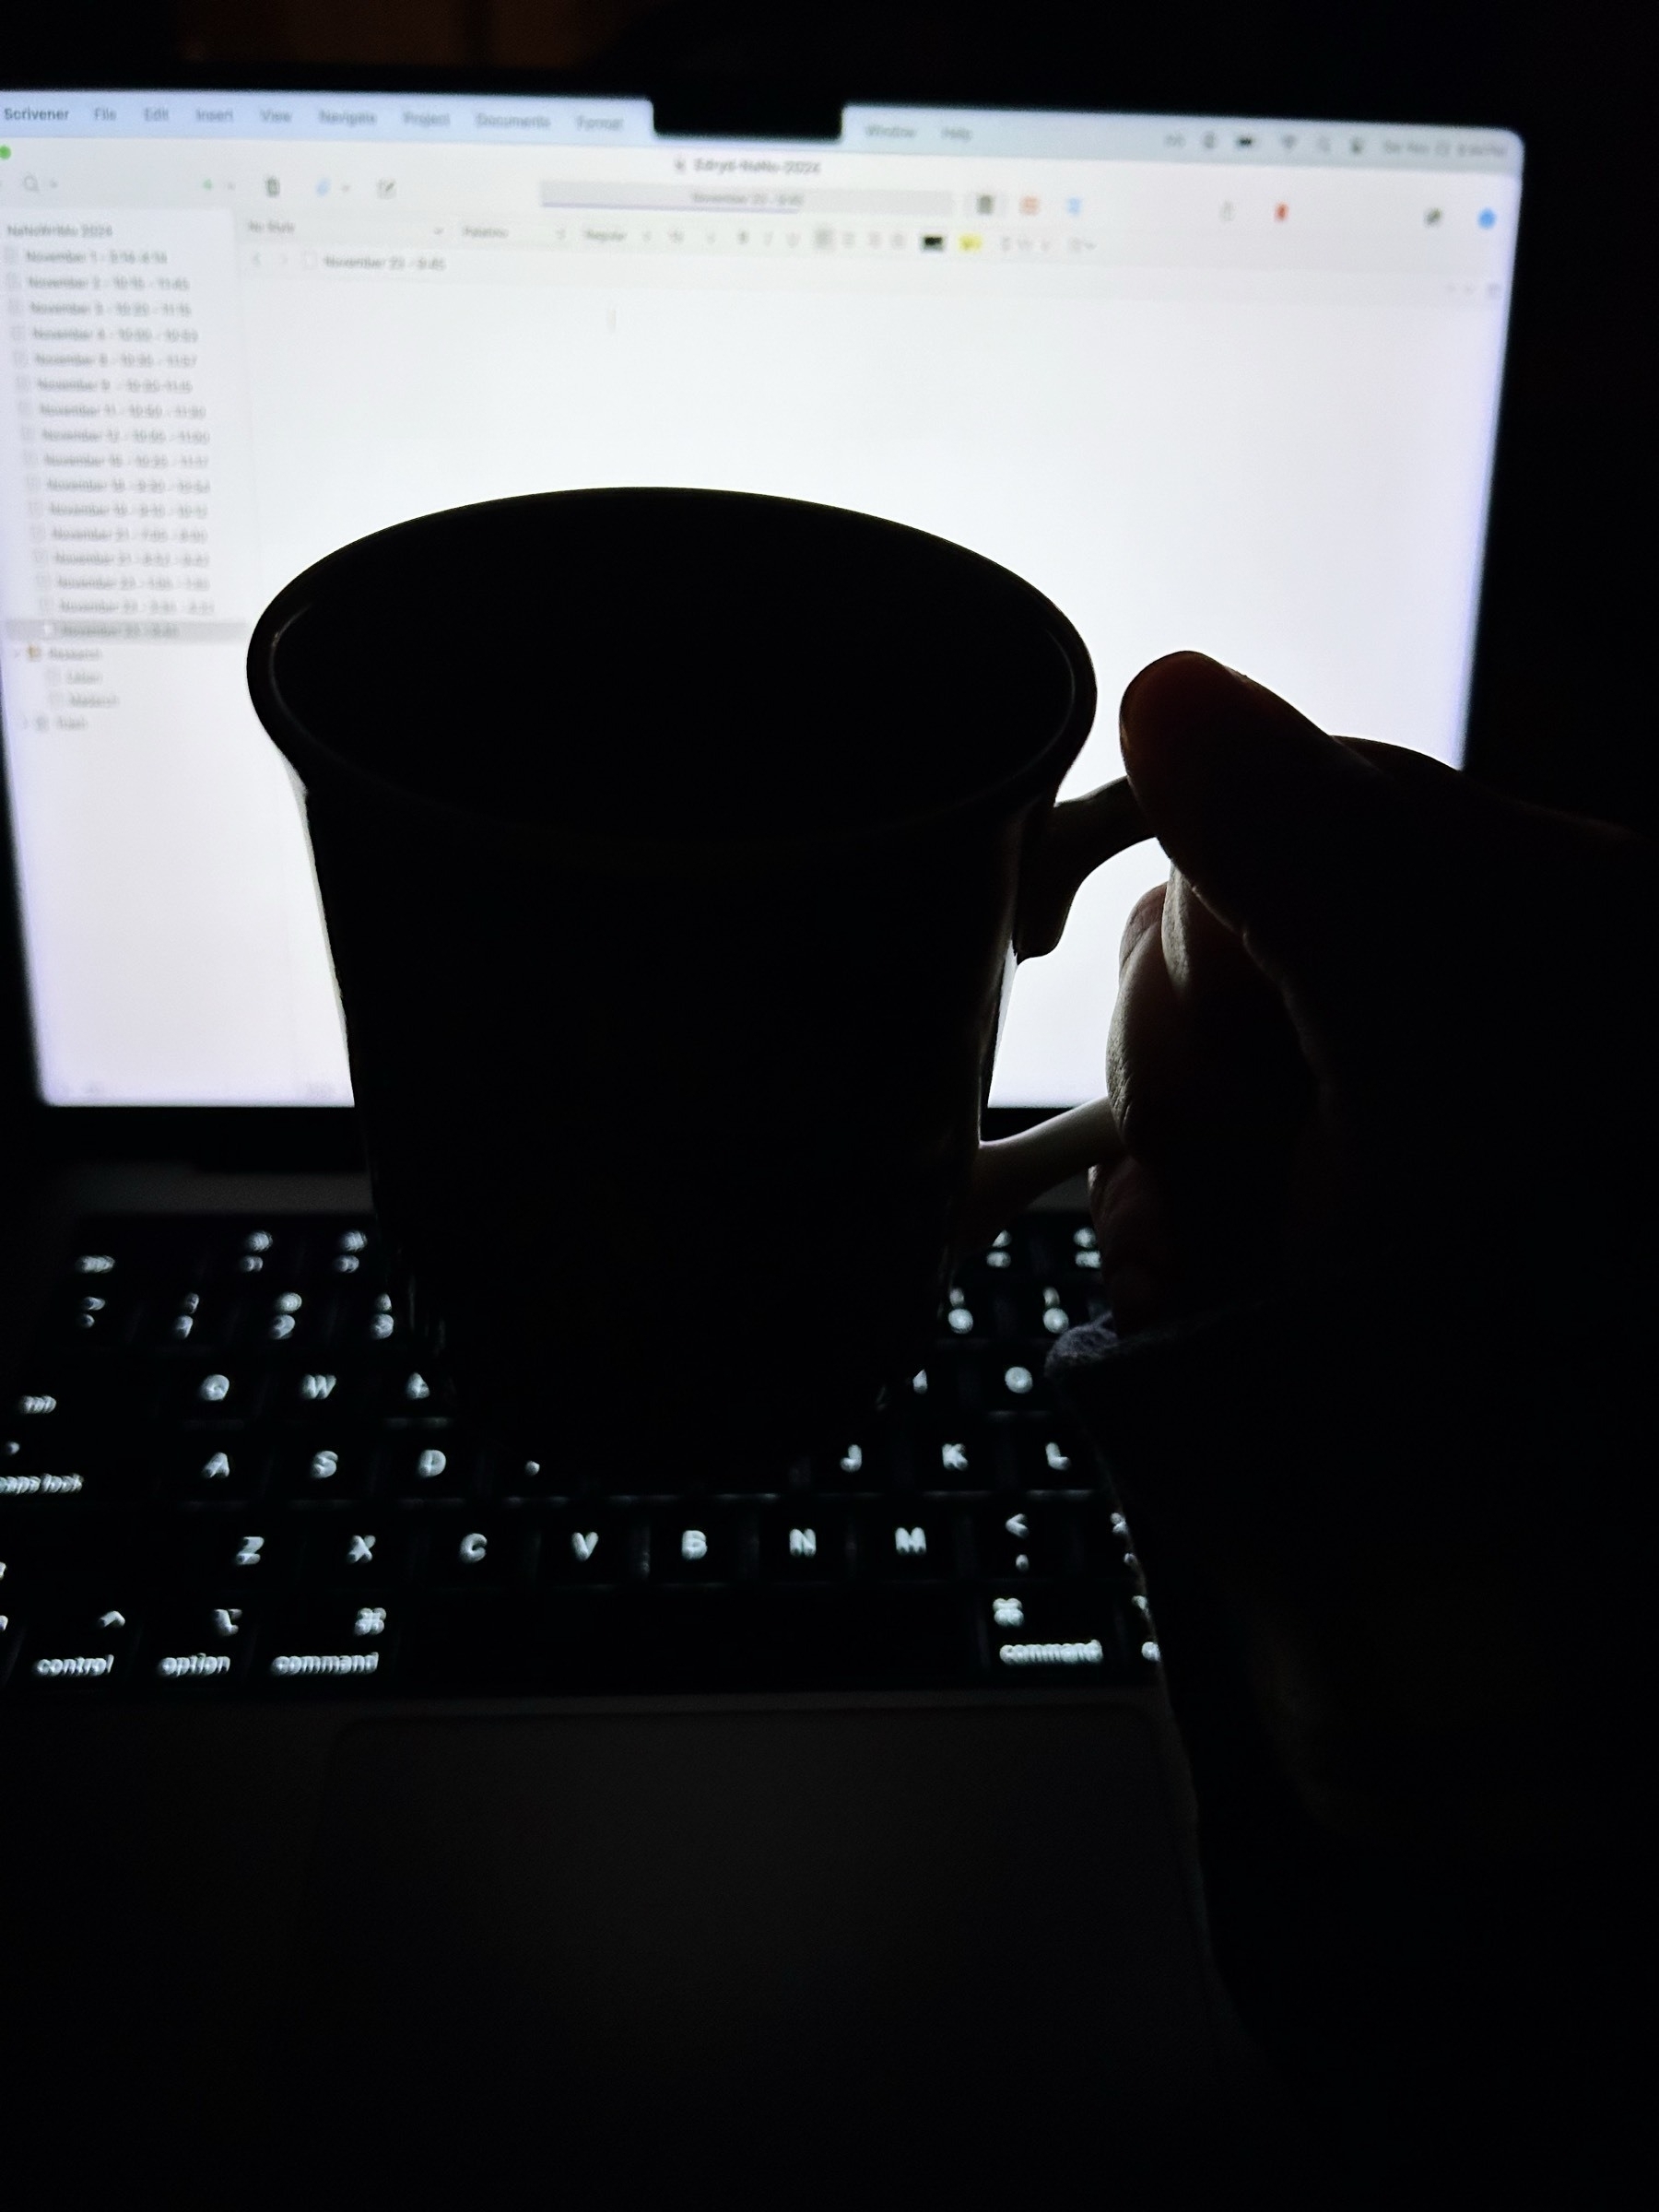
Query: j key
1017	1539
426	1467
906	1543
349	1551
584	1546
212	1471
857	1464
323	1465
198	1393
1066	1632
76	1652
807	1543
699	1545
340	1644
197	1647
468	1552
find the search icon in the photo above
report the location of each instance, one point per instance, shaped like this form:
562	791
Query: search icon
31	183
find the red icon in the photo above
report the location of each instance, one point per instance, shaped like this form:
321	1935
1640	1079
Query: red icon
1282	211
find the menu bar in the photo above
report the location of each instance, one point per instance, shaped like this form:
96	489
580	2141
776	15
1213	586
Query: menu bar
988	132
322	115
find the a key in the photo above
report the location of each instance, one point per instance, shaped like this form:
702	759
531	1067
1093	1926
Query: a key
212	1470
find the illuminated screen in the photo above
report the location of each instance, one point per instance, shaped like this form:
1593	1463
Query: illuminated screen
1219	383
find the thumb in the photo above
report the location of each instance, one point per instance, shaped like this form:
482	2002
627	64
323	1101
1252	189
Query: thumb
1306	845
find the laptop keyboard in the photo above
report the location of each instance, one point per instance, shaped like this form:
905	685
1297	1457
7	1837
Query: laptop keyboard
224	1474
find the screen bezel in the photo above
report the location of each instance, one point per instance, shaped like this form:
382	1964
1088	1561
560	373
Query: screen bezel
328	1137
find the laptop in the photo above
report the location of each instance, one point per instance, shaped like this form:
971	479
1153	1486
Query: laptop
837	1831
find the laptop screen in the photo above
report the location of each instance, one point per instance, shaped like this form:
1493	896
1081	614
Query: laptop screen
1205	382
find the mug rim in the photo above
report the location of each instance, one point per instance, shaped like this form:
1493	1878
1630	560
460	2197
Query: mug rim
322	769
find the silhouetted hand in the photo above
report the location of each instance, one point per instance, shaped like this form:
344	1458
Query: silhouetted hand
1381	1045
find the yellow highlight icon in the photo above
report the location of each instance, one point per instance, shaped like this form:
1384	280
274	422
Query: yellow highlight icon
970	240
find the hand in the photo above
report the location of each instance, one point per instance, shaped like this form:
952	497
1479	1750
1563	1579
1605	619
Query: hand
1382	1049
1379	1009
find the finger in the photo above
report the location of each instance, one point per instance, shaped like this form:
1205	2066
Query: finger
1139	1269
1202	1058
1306	846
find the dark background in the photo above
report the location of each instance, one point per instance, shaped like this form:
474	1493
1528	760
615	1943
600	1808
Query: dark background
1560	711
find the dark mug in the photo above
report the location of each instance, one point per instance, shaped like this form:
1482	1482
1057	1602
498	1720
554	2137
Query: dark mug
676	848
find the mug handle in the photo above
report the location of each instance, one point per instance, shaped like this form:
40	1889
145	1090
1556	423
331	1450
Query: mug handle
1062	847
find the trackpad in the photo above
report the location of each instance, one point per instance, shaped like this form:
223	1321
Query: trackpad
803	1952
